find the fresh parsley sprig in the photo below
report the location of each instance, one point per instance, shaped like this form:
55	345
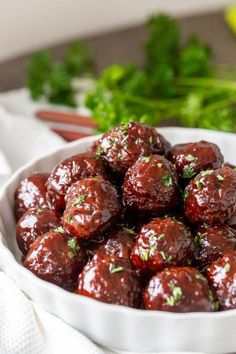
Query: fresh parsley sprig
53	80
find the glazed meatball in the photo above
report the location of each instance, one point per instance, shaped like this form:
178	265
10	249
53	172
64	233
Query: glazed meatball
112	281
32	224
118	245
182	289
222	277
150	186
57	258
162	243
93	208
192	158
212	242
69	171
211	197
123	145
31	193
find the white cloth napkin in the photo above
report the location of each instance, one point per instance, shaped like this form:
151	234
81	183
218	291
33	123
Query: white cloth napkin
26	329
23	139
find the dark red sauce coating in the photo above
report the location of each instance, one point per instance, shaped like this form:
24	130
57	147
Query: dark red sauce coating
112	281
122	146
69	171
93	209
31	193
150	186
211	197
212	242
32	224
192	158
181	289
222	277
118	245
162	243
57	258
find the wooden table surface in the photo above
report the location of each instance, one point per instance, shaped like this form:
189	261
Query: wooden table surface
123	46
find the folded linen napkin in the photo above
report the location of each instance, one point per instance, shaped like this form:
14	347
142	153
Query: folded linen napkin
27	329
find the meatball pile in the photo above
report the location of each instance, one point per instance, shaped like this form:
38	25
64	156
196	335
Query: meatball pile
135	222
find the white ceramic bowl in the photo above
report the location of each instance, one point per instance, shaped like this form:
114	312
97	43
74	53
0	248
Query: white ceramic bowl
110	325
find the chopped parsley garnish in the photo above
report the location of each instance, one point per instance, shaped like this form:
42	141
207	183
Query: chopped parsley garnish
112	140
129	231
227	267
186	193
160	237
60	229
79	200
124	128
144	255
146	158
199	184
220	178
200	277
207	172
100	150
120	154
166	257
167	180
188	172
214	303
38	211
199	238
138	141
176	294
191	158
73	244
68	219
153	249
114	269
125	143
153	245
71	254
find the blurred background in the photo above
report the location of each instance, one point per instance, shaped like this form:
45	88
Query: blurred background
114	29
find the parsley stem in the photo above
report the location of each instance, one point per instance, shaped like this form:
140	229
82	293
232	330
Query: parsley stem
207	82
151	102
220	104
